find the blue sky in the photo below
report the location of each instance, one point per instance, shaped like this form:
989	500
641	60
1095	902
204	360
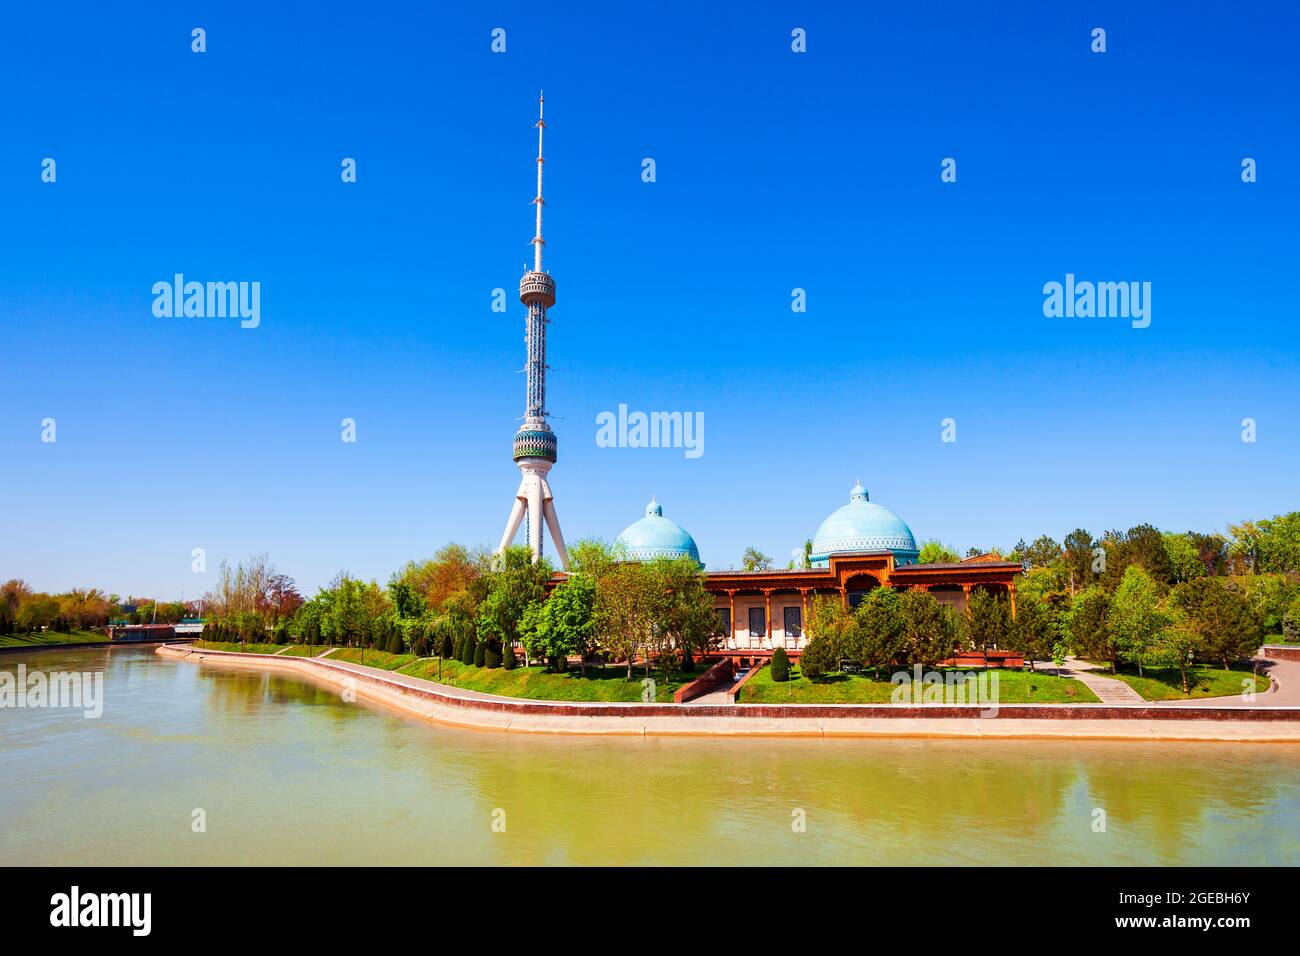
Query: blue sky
775	170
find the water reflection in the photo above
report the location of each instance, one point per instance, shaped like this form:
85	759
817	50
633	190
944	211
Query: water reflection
287	772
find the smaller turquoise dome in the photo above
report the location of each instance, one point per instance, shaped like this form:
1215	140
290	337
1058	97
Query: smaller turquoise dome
655	536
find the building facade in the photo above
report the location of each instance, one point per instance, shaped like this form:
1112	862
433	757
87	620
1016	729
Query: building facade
858	548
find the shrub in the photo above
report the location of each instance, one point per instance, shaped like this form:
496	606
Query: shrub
480	653
819	658
421	647
493	656
469	649
508	659
448	646
780	666
395	645
1291	622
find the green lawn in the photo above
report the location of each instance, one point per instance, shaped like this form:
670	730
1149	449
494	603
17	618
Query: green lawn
1206	682
533	683
381	659
50	637
306	650
1279	639
1014	687
236	646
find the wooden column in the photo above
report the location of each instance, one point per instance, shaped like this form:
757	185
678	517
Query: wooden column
767	601
805	620
844	597
1011	593
965	588
731	598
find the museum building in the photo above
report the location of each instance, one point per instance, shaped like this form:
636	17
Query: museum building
859	547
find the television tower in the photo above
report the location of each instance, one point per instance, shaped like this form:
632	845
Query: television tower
535	445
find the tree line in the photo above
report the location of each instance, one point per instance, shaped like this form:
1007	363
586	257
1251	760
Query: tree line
1141	599
25	611
482	609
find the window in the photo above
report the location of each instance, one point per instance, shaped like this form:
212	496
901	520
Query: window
793	623
757	622
855	598
724	620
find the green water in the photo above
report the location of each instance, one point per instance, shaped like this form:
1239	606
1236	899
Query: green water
286	772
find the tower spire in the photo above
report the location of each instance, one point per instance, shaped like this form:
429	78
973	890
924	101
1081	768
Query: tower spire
538	241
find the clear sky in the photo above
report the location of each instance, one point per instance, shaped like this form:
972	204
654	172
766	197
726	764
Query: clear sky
775	171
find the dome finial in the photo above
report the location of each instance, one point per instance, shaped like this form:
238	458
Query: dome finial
858	493
654	509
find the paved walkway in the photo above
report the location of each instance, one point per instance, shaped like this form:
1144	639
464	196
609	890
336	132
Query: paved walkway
1108	689
1284	690
718	696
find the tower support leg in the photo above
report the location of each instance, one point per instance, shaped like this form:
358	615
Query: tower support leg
534	484
512	525
553	522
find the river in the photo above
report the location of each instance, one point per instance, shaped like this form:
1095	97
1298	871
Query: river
285	772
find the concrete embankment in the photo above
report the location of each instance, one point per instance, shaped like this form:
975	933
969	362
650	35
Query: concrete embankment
464	708
76	645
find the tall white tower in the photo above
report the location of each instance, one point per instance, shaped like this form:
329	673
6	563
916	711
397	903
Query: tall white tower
535	445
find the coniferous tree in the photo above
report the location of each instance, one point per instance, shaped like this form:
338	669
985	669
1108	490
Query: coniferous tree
780	666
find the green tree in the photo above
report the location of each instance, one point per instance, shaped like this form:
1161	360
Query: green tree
1269	594
1136	617
988	619
625	596
1184	557
1089	628
1227	625
512	586
1043	552
831	632
684	623
936	552
1277	544
564	624
1078	559
877	641
755	560
1142	545
1034	633
1175	647
36	611
929	630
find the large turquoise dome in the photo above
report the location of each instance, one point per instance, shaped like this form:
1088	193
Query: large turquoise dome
862	525
655	536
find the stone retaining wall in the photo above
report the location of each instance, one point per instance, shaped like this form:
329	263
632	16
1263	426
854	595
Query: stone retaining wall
448	705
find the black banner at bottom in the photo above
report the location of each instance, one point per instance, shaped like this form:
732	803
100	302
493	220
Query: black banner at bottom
362	906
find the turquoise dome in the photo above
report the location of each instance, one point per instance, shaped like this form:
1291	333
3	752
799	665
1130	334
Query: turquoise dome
655	536
862	525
